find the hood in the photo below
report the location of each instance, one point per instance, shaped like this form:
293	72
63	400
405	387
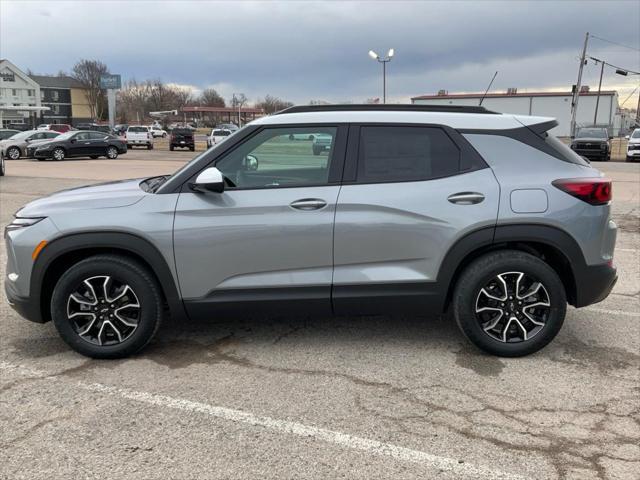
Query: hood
590	140
104	195
634	141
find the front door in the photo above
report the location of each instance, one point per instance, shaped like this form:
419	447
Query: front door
269	237
413	192
79	145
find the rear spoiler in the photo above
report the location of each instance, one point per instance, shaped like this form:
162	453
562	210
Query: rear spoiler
542	127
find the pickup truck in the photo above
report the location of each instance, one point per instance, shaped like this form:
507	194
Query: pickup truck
139	135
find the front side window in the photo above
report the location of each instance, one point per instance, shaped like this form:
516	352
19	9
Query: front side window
276	158
398	153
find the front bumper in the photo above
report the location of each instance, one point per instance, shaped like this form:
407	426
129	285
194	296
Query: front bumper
591	153
594	284
24	306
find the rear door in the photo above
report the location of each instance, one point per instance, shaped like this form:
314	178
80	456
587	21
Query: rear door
409	193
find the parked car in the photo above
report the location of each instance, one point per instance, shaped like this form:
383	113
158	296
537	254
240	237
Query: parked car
16	146
81	144
217	135
139	135
56	127
417	208
228	126
182	138
7	133
120	129
321	142
633	146
157	131
593	143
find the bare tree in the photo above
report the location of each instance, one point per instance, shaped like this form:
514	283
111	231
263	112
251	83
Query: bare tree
88	73
237	101
272	104
211	98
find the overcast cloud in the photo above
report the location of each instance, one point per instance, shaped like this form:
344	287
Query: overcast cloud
318	50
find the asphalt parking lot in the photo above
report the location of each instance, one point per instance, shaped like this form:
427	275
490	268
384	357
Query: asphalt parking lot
374	397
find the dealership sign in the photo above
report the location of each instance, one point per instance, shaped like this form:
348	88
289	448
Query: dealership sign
110	82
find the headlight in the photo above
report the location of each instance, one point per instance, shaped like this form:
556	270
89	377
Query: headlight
19	223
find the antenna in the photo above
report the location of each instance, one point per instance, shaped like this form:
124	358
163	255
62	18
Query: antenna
487	90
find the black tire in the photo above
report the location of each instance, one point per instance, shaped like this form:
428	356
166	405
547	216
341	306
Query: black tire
58	154
193	149
14	153
629	158
120	269
291	137
1	165
480	273
171	147
316	151
93	157
150	146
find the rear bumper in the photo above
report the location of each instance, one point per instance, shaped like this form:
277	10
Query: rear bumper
595	284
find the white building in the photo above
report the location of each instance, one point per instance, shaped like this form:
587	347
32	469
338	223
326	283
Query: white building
17	90
544	104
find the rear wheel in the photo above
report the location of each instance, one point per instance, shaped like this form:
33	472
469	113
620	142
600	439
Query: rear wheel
58	154
107	306
112	153
509	303
1	165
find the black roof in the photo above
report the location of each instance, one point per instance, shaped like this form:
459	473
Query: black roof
388	107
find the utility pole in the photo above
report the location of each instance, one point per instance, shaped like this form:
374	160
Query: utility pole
576	93
595	115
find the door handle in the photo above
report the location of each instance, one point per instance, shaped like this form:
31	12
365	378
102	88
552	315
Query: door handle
466	198
308	204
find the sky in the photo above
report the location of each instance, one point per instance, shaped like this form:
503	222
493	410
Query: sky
303	50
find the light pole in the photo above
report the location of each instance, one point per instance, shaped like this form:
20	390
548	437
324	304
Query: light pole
383	61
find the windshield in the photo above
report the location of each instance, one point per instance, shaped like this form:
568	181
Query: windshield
221	133
23	135
636	133
592	133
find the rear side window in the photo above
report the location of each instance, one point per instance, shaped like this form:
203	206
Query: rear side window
398	153
563	150
138	129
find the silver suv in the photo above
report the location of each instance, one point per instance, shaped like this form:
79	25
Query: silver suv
412	209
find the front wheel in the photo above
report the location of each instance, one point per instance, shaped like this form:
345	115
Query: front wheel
509	303
107	306
58	154
150	146
13	153
1	165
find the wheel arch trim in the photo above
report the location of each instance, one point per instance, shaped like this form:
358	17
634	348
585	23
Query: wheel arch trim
96	243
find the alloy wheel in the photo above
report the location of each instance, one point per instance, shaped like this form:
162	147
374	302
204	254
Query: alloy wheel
513	307
112	153
58	154
103	310
14	153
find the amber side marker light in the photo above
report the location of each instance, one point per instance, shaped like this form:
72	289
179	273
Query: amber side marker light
38	249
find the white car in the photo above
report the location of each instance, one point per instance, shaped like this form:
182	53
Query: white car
217	135
139	135
633	146
157	131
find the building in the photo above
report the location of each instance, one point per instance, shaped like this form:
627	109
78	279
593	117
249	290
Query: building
18	90
212	116
544	104
66	99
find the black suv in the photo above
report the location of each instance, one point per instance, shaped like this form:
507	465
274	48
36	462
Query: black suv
593	143
182	138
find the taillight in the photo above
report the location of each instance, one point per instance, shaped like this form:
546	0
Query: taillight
595	191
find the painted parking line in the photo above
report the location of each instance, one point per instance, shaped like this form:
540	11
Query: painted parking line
634	250
345	440
612	312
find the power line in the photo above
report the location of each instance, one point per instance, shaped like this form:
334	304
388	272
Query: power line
615	66
615	43
630	95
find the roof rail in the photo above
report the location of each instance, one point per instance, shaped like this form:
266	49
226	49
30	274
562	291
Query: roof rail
388	107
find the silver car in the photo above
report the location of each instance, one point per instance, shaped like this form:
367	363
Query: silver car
412	209
16	146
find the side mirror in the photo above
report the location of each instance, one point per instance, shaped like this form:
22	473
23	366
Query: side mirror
73	140
251	163
209	180
627	137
